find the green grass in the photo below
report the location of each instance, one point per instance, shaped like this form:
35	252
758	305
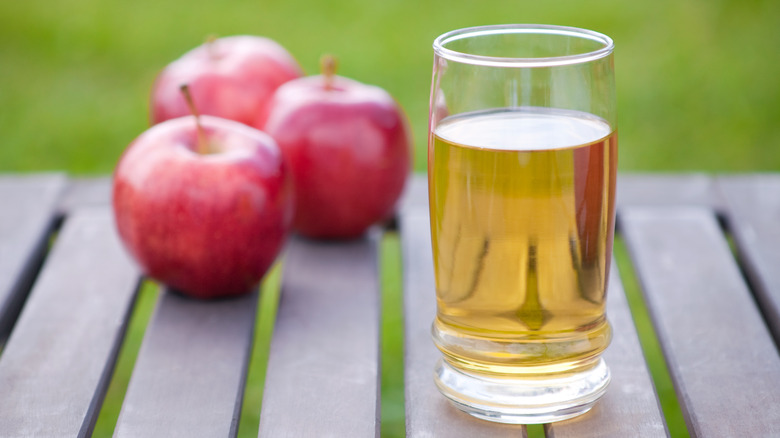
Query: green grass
142	313
258	363
392	378
535	431
697	86
696	79
651	347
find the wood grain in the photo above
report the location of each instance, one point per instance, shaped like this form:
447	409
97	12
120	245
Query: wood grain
323	369
58	361
753	215
189	377
27	216
721	357
664	190
85	192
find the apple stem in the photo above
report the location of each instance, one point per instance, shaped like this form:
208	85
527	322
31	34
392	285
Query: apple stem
328	66
210	45
203	144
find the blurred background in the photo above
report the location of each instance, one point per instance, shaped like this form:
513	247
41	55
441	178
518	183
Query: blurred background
698	80
698	90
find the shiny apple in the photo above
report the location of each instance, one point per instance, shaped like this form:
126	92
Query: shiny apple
348	147
231	77
204	208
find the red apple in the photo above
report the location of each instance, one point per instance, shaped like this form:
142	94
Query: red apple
204	210
348	148
231	77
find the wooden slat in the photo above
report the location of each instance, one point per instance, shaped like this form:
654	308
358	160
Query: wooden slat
753	214
323	370
86	192
27	214
693	189
721	357
428	413
415	194
189	377
58	361
630	407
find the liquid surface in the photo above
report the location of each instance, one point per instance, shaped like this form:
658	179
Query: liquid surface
522	208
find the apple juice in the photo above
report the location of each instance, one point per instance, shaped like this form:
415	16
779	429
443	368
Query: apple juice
522	204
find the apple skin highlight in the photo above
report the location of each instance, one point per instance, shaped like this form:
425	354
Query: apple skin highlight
206	225
348	146
231	77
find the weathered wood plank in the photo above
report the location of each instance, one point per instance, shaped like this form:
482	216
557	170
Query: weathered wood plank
85	192
630	407
59	358
415	194
693	189
428	413
189	377
26	218
721	357
753	215
323	369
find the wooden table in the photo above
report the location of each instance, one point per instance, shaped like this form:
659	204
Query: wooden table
716	314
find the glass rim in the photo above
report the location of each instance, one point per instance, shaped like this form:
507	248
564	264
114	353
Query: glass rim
495	61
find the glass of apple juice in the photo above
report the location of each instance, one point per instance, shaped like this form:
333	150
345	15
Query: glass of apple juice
522	158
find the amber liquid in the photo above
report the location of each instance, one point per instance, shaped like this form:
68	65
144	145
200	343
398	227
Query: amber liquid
522	217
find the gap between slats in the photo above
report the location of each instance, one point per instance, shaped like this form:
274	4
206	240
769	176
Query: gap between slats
696	343
23	283
651	347
27	280
128	352
249	420
392	379
392	373
141	315
391	344
389	250
47	332
749	274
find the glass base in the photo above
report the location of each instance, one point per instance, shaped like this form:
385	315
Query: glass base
522	401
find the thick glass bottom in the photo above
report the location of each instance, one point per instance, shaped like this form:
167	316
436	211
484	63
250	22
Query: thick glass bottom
522	401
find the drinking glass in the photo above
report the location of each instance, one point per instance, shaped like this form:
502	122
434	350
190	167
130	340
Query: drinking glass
522	157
